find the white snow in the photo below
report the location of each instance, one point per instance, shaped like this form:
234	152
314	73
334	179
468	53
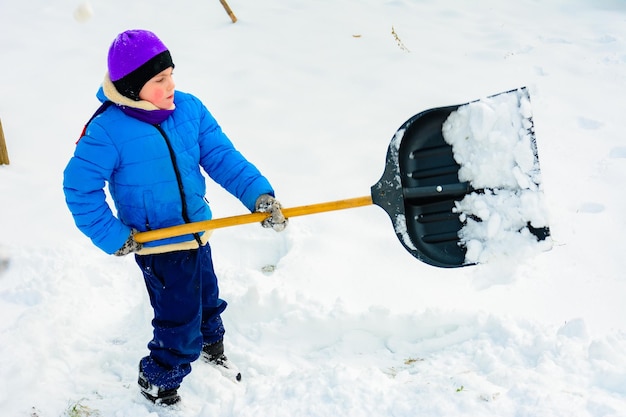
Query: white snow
83	12
493	143
333	316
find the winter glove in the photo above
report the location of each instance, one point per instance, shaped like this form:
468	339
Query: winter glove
129	246
268	204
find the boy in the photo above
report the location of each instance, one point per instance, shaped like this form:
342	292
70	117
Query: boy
148	142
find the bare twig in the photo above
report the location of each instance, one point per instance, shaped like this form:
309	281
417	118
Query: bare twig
397	38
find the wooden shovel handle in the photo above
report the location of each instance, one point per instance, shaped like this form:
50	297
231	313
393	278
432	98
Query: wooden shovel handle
188	228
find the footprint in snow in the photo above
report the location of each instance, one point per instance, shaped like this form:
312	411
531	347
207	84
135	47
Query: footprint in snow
589	124
618	152
592	208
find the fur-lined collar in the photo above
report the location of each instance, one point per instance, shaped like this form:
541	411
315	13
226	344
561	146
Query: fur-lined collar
112	94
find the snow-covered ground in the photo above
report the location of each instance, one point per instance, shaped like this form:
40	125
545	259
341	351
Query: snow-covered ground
331	317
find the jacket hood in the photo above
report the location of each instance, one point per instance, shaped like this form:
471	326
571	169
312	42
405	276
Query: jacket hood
107	91
142	109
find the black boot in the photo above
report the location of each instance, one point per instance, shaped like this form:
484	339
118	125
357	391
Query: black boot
213	354
156	394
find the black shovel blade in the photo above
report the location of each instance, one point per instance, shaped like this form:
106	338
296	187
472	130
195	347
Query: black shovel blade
419	187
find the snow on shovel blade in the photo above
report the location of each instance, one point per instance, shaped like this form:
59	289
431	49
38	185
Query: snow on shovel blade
462	183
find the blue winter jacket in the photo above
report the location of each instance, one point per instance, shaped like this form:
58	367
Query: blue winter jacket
153	173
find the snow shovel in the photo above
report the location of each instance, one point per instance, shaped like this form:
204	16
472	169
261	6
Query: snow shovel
418	190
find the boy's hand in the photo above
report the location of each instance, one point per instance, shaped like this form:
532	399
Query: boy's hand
268	204
129	246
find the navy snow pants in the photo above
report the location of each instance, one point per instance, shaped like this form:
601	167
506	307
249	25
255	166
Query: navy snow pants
184	294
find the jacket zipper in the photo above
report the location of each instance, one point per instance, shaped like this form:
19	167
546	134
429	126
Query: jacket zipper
179	180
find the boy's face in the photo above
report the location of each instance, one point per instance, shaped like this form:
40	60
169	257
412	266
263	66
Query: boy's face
159	90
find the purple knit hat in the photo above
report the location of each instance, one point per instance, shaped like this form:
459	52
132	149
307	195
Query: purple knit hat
135	56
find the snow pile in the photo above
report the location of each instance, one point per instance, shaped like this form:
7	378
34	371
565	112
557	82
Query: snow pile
493	142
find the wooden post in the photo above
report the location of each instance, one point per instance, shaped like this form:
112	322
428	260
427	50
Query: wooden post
4	154
230	12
